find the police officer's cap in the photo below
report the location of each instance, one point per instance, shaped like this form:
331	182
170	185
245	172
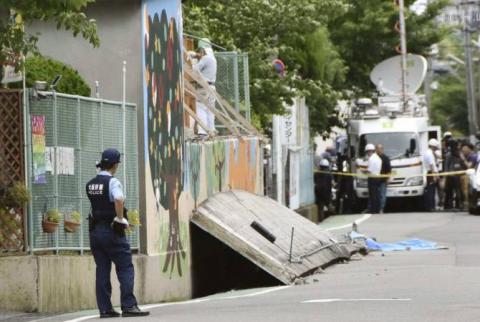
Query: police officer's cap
111	156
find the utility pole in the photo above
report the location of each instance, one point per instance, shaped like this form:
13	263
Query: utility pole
471	99
403	51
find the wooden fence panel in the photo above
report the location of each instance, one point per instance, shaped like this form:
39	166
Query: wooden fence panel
11	167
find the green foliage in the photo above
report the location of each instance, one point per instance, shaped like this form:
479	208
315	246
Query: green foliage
449	105
53	215
14	196
42	68
67	14
75	216
133	217
365	35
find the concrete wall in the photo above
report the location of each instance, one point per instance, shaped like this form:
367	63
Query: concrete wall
67	283
119	29
18	280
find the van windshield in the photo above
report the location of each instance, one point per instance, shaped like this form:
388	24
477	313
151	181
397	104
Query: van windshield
395	145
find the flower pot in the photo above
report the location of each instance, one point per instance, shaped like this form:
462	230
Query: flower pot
70	226
49	227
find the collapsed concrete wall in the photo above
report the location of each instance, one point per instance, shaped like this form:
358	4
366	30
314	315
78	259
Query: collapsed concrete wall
273	237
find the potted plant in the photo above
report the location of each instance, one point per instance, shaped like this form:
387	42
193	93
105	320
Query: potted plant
51	219
73	222
133	218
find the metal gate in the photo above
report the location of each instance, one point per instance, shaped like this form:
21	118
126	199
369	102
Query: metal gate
76	130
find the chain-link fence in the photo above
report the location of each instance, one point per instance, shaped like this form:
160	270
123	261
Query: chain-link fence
77	129
233	80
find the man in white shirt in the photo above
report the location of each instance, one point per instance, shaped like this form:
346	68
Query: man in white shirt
207	67
430	164
374	169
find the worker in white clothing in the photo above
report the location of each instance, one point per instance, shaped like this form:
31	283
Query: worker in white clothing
207	67
374	169
430	164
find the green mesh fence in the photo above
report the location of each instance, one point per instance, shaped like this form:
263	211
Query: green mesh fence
233	80
84	127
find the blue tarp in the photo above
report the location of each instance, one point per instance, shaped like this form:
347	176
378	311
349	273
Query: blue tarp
410	244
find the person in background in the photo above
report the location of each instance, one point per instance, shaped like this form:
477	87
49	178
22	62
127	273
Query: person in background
373	170
453	163
323	188
207	67
328	154
469	156
430	164
470	159
447	136
386	170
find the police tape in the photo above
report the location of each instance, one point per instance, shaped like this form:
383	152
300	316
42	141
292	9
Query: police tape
393	175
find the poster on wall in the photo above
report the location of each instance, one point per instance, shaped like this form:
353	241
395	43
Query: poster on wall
38	149
65	161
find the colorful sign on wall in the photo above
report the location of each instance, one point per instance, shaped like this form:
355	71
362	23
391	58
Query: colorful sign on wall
38	149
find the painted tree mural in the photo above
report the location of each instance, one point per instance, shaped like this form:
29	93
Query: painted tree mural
165	126
194	161
219	156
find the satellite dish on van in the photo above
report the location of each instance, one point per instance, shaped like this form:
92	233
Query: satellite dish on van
387	75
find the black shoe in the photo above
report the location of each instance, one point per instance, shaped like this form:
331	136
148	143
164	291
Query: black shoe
109	314
134	311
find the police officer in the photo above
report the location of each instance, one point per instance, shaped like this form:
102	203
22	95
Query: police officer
107	238
374	182
323	188
430	164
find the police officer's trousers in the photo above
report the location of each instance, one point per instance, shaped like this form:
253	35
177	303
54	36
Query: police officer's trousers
106	248
374	195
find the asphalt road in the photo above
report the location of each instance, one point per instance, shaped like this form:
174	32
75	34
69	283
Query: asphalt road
440	285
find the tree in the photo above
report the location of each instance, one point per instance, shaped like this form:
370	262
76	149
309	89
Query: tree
275	29
68	14
366	35
449	105
44	68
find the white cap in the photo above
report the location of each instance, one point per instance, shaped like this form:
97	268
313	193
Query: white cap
324	163
433	143
448	133
370	147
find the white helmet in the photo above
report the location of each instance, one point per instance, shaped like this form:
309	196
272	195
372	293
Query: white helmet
433	143
204	43
324	163
369	147
447	134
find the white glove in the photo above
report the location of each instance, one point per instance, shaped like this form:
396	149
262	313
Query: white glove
123	221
